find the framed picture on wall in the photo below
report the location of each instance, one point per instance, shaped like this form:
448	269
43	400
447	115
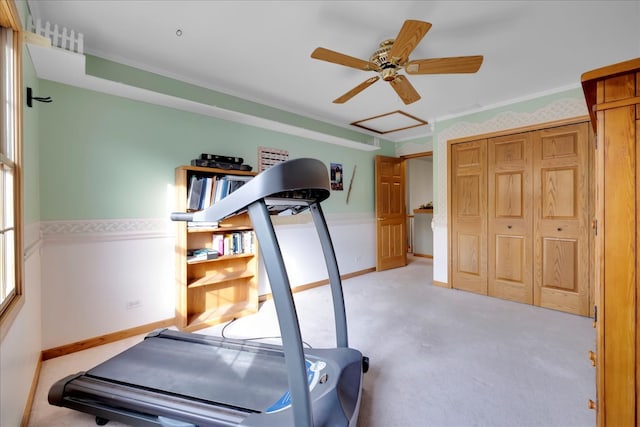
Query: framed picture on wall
336	176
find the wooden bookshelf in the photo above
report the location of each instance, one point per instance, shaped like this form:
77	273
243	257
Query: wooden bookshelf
221	313
216	290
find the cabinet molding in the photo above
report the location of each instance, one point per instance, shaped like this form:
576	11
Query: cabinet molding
612	94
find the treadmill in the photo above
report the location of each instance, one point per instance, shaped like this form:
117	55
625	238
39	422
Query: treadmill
182	379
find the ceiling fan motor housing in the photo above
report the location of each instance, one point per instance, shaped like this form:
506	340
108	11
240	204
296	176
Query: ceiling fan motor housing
379	57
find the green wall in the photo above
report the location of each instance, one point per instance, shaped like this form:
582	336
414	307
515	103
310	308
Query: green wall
30	146
124	74
109	157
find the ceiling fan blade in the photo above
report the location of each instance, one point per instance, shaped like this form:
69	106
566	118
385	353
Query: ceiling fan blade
342	59
356	90
404	89
456	64
410	34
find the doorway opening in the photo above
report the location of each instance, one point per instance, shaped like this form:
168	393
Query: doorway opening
419	197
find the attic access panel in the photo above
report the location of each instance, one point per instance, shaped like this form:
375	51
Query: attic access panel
390	122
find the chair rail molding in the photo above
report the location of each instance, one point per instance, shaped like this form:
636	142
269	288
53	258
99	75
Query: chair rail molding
107	229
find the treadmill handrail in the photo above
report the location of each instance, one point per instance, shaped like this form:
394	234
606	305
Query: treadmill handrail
295	180
286	312
299	184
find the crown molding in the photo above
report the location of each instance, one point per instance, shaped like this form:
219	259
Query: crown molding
69	68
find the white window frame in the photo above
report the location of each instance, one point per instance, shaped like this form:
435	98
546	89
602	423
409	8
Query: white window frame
11	259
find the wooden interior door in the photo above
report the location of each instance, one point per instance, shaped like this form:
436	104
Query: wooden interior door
391	217
468	215
561	218
510	227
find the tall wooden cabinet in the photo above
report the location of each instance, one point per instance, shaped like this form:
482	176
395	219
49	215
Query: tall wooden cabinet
212	291
613	96
520	213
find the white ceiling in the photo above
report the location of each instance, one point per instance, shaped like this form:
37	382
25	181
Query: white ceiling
260	50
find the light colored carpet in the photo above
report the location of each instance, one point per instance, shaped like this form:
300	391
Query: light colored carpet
439	357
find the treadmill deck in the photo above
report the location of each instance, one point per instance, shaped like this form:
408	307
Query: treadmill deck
199	370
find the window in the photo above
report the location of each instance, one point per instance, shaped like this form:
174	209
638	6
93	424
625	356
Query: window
10	160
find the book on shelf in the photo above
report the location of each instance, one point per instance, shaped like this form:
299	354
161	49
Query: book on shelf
219	190
199	193
227	184
236	243
205	199
194	193
204	191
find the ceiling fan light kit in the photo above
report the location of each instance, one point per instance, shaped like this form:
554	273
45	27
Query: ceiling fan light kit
392	56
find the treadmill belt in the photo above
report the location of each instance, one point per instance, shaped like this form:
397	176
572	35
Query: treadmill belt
250	380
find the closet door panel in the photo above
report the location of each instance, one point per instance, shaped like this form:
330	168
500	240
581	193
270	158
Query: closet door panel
509	218
561	212
468	216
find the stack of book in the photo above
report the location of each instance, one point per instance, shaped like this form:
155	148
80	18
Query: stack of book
203	254
201	225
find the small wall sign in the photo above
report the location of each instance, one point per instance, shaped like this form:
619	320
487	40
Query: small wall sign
336	177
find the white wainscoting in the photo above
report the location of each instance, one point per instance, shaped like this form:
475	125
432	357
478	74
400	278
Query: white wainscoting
104	276
20	348
354	241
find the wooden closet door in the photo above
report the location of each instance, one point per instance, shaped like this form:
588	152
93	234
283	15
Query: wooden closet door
561	218
468	183
510	227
